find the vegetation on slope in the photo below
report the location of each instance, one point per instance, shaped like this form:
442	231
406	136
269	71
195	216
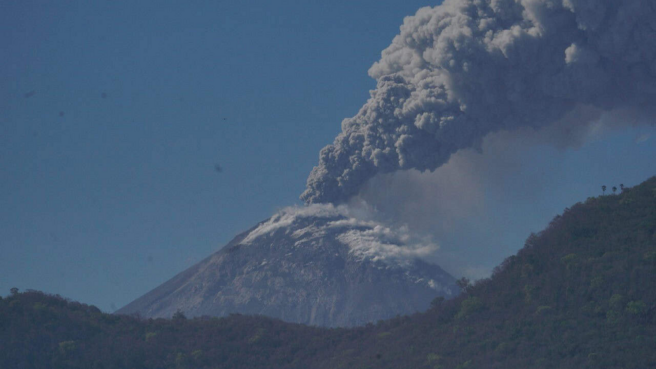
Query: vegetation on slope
580	294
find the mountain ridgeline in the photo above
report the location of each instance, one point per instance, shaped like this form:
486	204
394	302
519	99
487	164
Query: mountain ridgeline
580	294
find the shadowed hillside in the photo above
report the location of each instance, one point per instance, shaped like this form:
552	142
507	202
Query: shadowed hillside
580	294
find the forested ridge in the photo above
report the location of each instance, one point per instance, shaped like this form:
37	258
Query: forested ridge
580	294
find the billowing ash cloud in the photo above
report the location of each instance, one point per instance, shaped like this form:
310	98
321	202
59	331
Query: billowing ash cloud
467	68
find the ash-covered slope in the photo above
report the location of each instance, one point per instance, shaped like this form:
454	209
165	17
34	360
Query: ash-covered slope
312	265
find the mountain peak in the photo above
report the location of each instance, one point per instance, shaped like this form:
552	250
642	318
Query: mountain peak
315	265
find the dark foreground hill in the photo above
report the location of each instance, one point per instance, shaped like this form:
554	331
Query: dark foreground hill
580	294
298	266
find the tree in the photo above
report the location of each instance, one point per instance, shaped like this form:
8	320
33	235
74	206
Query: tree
603	188
614	189
13	291
464	283
179	315
621	186
437	301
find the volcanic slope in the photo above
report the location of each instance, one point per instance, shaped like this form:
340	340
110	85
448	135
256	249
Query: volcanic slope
312	266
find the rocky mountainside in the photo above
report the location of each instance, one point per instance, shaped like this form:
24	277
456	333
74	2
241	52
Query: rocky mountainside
306	265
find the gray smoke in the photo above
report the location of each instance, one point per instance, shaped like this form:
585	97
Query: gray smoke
480	206
467	68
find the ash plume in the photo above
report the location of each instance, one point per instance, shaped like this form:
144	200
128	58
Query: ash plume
467	68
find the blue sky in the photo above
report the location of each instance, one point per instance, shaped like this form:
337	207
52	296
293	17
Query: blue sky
113	115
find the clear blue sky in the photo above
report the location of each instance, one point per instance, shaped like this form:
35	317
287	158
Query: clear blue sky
113	115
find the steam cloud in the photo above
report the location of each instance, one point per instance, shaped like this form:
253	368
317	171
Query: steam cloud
366	238
468	68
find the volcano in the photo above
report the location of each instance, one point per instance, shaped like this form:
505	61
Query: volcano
315	266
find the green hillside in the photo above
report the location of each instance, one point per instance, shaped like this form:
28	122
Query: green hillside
580	294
